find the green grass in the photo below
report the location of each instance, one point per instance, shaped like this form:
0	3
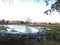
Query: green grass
52	30
2	28
49	42
42	42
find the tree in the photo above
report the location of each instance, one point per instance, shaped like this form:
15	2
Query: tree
7	22
28	20
3	21
54	6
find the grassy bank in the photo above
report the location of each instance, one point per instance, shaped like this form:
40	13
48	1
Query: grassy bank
53	36
2	28
53	31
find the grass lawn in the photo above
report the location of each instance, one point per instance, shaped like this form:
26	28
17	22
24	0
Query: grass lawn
52	30
49	42
42	42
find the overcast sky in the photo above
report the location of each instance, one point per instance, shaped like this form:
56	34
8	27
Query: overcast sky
20	10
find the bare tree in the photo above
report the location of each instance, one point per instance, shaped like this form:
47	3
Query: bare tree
28	20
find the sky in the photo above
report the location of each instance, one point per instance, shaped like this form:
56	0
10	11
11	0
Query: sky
23	9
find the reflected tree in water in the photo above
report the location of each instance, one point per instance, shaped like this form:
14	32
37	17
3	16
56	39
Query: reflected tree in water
28	30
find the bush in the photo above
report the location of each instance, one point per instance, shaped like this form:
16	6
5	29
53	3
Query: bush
58	38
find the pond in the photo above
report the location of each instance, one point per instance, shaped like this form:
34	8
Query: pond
21	29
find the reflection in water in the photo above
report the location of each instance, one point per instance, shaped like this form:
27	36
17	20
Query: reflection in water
27	29
22	28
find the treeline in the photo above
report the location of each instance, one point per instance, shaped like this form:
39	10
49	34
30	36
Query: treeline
11	22
3	22
26	22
